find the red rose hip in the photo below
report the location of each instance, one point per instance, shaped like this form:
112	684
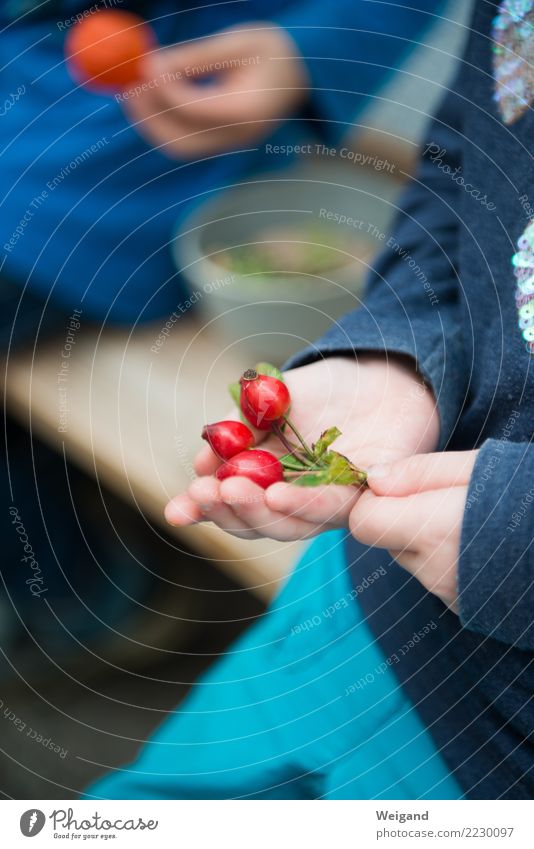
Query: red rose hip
228	438
261	467
264	400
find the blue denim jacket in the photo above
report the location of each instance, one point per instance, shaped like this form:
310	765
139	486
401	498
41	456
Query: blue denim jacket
444	292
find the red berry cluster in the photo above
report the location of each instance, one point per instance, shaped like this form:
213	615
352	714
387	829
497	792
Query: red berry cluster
232	442
264	401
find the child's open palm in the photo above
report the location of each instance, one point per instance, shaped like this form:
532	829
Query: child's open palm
384	412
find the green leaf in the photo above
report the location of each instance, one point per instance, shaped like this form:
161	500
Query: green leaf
235	393
325	441
311	479
269	370
342	472
292	463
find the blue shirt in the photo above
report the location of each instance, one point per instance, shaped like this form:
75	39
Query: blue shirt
88	209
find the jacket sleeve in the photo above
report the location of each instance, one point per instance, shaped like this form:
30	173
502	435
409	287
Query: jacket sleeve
496	567
351	48
412	299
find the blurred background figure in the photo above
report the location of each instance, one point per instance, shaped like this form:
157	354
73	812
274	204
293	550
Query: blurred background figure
92	186
92	189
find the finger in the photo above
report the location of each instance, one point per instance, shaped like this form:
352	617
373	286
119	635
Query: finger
165	129
409	560
157	115
225	518
182	511
206	462
322	504
198	56
214	105
397	555
392	523
230	94
420	522
422	472
205	493
248	502
441	581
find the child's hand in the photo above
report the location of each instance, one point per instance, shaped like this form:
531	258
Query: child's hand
383	411
256	78
414	508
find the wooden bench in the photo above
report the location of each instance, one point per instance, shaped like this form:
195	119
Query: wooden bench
132	418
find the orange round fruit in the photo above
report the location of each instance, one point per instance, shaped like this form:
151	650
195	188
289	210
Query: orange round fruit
105	50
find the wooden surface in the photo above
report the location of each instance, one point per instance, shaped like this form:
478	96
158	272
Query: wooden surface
130	412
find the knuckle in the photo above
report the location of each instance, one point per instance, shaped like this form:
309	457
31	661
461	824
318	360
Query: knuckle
317	503
411	471
364	520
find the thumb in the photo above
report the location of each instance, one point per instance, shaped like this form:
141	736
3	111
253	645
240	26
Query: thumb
421	473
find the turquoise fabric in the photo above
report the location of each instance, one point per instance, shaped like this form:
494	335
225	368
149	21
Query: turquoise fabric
304	706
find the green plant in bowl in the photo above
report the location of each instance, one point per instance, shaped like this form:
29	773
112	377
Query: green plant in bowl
311	250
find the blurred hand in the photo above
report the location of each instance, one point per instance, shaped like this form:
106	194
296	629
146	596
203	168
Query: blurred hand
384	412
254	77
414	508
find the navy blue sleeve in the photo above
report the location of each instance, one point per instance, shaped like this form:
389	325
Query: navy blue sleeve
496	567
412	301
351	48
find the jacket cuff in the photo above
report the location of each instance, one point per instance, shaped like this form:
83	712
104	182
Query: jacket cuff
496	567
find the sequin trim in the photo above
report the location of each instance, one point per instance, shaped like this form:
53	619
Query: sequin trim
523	265
513	58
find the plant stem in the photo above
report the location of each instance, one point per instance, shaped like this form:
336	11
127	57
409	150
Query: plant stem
307	470
285	442
295	450
300	438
